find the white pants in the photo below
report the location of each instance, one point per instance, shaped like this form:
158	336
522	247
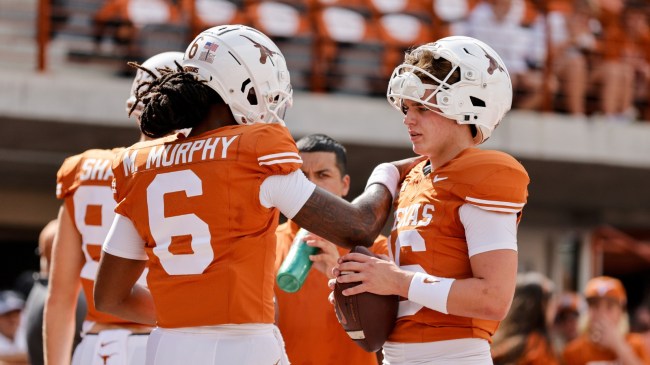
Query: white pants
111	347
465	351
241	344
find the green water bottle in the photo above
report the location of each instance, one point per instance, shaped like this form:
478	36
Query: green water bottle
296	265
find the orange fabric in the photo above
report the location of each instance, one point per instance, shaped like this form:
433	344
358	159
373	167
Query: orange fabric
613	35
203	192
84	183
428	234
582	351
538	351
606	287
307	317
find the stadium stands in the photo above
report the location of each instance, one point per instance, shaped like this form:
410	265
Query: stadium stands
553	49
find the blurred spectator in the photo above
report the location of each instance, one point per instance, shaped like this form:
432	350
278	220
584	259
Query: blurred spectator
571	40
33	312
499	23
524	337
637	56
565	325
605	338
13	349
123	21
612	74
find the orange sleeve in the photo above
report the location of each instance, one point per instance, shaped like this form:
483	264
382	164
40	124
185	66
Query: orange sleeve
276	150
500	185
118	177
65	177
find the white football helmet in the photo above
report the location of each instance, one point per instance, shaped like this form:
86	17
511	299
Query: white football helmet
154	63
481	97
246	69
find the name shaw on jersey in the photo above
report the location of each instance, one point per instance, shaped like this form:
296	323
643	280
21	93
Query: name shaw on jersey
165	155
96	169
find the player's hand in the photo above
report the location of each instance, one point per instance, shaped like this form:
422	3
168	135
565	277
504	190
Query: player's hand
330	297
327	258
376	275
405	165
604	333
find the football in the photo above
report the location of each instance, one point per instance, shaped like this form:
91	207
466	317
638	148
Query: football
367	318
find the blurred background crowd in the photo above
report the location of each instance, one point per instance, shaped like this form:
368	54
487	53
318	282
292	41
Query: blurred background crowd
581	72
581	57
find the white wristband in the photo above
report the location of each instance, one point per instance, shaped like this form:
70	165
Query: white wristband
387	175
430	291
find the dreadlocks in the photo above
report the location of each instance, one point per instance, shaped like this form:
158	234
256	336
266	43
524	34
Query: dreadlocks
174	100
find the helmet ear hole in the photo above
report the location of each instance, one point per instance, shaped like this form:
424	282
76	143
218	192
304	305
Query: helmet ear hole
477	102
252	96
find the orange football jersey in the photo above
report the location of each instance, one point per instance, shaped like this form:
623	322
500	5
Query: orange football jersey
428	235
307	317
84	182
195	202
582	351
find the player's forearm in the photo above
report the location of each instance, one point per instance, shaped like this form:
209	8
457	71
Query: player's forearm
136	307
346	224
58	331
479	298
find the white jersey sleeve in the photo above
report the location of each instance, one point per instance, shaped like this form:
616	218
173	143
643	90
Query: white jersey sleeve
288	193
486	230
124	241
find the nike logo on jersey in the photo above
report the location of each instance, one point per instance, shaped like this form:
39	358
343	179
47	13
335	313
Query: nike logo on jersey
104	344
438	179
428	280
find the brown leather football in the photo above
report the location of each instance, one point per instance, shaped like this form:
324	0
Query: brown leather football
367	318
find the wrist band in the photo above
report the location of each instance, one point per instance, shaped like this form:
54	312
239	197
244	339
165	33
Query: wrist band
430	291
387	175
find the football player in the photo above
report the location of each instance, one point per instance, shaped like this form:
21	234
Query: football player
453	242
305	316
203	210
84	185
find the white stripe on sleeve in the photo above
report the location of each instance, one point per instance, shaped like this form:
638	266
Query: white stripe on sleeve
282	157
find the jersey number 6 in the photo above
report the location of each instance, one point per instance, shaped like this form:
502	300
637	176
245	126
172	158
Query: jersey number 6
164	228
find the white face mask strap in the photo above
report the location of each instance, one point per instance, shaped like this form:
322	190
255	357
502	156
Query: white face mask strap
286	100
